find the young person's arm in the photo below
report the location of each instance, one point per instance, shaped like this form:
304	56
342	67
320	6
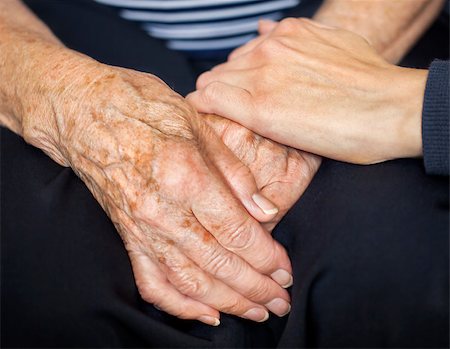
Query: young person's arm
320	89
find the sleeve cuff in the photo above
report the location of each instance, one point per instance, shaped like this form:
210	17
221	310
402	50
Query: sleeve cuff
435	119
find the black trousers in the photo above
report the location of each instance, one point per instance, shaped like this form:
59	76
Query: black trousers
369	245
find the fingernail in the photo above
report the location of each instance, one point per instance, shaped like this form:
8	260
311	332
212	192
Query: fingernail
264	204
279	307
256	314
283	278
209	320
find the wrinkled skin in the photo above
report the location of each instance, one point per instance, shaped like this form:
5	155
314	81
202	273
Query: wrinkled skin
132	140
180	199
282	173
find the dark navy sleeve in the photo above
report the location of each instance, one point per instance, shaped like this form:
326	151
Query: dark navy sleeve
435	119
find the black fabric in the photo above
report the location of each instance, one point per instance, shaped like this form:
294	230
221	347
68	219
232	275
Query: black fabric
369	245
435	119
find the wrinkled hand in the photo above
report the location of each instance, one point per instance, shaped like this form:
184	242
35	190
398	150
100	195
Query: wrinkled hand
282	173
174	192
320	89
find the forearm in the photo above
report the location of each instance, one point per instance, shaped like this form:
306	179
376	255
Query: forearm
21	34
391	26
33	66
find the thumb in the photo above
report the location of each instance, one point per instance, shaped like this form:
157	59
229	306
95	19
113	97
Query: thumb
238	177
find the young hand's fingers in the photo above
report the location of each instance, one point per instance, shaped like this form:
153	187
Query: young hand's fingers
228	101
234	65
154	288
265	26
241	78
233	271
244	49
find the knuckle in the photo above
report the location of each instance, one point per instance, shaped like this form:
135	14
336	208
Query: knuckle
238	237
192	285
239	173
220	265
171	116
233	306
267	260
211	91
258	290
288	25
203	80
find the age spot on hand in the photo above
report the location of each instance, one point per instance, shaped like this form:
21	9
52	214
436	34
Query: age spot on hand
186	223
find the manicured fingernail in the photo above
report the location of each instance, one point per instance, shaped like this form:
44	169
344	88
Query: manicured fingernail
279	307
264	204
256	314
283	278
209	320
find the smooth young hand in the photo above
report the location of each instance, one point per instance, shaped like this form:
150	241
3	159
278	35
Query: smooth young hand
320	89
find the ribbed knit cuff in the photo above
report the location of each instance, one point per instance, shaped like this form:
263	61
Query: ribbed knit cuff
435	120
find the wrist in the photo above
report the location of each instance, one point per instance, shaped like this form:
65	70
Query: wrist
406	95
43	97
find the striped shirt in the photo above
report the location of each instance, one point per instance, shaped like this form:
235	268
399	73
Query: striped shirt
201	27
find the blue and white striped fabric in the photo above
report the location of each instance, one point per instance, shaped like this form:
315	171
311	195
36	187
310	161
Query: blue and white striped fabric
201	26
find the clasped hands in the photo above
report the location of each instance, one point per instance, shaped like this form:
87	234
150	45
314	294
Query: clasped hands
195	196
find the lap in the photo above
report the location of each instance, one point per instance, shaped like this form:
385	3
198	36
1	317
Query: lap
370	252
370	260
66	278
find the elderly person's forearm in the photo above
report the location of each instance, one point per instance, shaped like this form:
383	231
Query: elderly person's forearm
29	79
391	26
187	207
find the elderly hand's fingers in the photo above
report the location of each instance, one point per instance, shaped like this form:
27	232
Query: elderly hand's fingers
220	213
152	283
228	101
211	257
195	283
239	178
299	170
154	288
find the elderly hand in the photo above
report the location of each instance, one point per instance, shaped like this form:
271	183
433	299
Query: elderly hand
320	89
282	173
171	187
